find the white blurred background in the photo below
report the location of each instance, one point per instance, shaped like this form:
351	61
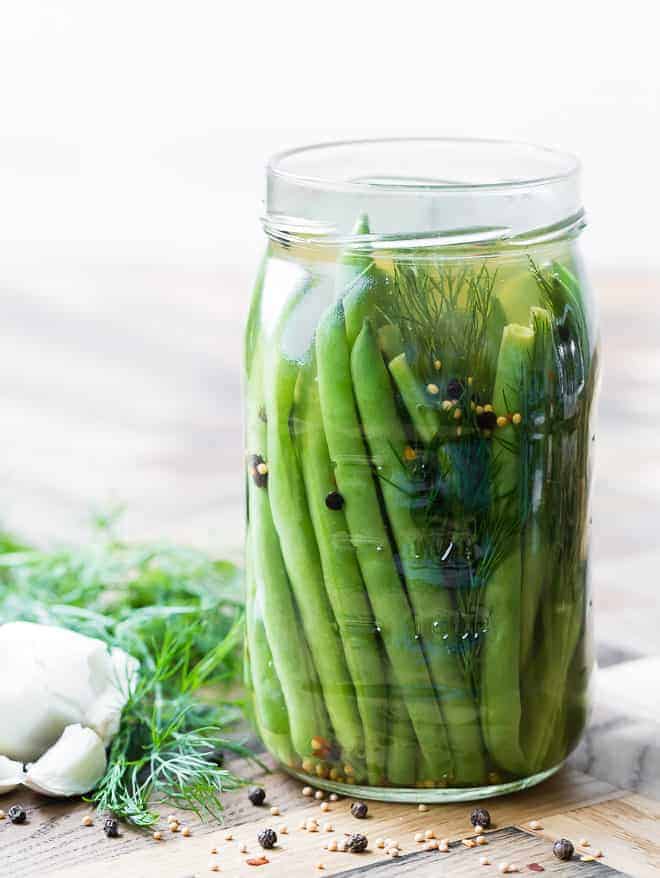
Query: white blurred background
133	137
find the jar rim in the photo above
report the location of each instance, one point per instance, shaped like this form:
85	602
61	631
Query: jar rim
422	192
567	165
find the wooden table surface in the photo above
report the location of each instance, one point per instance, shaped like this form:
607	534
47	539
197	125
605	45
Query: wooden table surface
122	385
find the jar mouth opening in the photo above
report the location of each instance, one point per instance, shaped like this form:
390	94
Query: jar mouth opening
405	191
420	165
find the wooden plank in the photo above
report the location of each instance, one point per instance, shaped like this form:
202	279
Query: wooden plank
626	829
299	851
509	845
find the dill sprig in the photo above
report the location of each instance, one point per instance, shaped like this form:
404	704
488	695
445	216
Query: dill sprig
180	613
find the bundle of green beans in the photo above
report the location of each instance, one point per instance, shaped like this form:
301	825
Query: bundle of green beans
418	482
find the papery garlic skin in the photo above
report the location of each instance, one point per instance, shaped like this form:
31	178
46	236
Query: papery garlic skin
51	678
11	775
71	767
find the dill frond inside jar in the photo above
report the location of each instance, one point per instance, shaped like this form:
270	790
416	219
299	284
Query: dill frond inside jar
421	370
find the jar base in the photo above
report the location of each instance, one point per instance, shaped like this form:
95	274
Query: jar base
424	795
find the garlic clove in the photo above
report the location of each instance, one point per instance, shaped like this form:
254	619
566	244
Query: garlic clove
11	774
64	678
119	671
71	767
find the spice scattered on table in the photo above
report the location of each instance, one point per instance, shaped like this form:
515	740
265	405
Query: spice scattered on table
325	806
307	791
359	810
484	861
17	814
157	836
111	827
87	820
256	861
267	839
423	808
563	849
480	818
334	797
213	867
319	794
275	811
186	832
257	795
357	843
535	867
535	825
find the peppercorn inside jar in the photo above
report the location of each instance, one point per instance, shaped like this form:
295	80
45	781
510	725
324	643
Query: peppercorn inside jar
421	370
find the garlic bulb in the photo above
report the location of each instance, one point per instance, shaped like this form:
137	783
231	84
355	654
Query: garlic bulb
61	697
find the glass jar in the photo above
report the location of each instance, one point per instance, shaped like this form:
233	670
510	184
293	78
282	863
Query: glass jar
421	368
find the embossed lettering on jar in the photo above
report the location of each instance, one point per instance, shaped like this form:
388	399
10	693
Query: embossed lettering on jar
421	370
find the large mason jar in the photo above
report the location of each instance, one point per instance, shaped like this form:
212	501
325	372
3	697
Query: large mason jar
421	368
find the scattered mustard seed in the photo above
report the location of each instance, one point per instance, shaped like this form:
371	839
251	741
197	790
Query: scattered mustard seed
275	811
446	405
423	808
535	825
517	418
319	794
458	414
334	797
324	806
419	836
502	421
437	364
484	861
433	389
488	408
213	867
157	836
284	829
87	821
307	791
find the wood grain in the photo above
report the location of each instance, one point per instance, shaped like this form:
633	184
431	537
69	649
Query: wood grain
55	842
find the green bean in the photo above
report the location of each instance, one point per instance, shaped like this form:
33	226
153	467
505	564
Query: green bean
430	599
535	550
270	707
369	535
343	580
300	551
424	418
500	667
359	283
270	589
403	748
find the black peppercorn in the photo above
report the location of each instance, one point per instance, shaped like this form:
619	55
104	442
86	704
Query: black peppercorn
258	470
17	814
455	389
359	810
563	849
111	827
487	420
334	501
480	818
357	843
267	839
257	795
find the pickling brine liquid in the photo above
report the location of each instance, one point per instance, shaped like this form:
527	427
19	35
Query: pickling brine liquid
419	429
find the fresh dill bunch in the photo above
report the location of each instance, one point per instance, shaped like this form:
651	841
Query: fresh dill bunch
168	743
177	610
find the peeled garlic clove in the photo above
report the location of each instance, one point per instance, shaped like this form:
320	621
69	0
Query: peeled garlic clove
51	678
72	766
11	774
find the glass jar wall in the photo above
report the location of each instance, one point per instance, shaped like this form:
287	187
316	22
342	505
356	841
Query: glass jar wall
419	423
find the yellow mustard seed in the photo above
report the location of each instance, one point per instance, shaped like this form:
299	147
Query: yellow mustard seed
433	389
446	405
488	408
502	421
470	380
185	832
437	364
158	836
479	410
517	418
87	821
409	453
458	414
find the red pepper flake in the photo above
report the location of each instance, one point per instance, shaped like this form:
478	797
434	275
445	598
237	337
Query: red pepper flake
536	867
258	861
